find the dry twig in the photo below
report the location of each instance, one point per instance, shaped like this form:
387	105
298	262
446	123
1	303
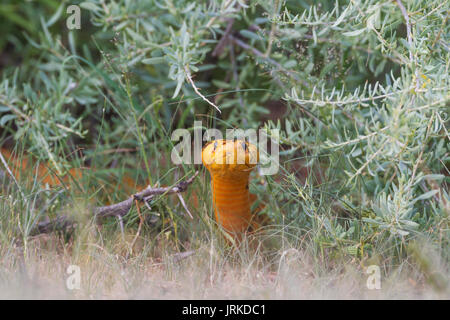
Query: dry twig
197	91
119	209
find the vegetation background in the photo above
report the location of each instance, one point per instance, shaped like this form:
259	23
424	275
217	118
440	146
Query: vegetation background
359	90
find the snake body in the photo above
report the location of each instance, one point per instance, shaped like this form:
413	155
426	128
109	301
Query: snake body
230	163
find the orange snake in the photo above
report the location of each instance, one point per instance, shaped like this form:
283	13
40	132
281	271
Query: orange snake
230	163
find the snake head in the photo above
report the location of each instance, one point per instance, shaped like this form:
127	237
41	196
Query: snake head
230	157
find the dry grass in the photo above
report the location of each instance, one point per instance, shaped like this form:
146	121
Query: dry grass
213	271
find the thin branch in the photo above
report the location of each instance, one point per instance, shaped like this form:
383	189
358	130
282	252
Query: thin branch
364	49
359	139
419	159
261	55
122	231
236	78
223	41
256	52
184	205
118	210
5	164
15	110
141	222
410	39
430	104
182	255
432	11
367	99
360	170
212	20
272	29
444	23
335	42
123	207
188	74
443	125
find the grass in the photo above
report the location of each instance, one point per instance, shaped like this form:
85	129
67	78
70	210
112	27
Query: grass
359	91
212	272
178	258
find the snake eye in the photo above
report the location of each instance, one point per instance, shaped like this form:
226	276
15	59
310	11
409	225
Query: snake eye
207	144
245	147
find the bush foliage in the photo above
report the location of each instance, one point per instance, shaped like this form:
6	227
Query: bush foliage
359	90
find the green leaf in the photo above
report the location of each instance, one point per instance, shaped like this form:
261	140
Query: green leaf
221	84
354	33
435	177
6	118
290	64
56	16
90	6
4	108
178	88
155	60
249	35
426	195
206	67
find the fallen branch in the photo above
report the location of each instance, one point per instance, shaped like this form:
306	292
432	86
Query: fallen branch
118	210
59	224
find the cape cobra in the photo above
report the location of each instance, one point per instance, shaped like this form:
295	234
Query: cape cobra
230	163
